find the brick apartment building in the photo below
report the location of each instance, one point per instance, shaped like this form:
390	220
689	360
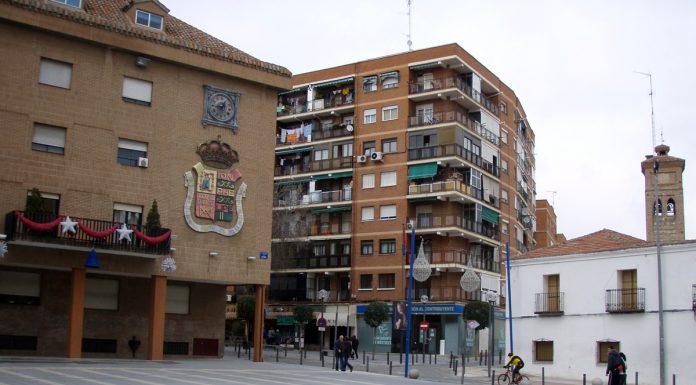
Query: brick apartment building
430	138
107	106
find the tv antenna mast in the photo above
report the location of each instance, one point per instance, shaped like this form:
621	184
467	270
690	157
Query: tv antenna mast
409	42
553	197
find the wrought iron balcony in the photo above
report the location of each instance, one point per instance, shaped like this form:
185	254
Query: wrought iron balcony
313	198
446	293
426	221
549	303
90	233
625	300
442	84
453	149
301	166
329	132
281	262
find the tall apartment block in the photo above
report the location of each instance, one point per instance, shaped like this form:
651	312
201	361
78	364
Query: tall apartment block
107	106
428	139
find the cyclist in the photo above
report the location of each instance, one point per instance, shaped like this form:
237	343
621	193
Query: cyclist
516	364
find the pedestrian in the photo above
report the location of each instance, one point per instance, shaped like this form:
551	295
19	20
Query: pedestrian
343	349
354	343
616	366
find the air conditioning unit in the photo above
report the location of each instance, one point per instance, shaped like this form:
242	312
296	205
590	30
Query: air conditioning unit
362	158
410	225
142	162
376	156
525	211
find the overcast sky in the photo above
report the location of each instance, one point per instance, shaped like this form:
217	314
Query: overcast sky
571	63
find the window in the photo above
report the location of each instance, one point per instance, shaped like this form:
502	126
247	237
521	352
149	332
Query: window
543	351
503	136
386	281
671	207
366	248
368	181
368	147
137	91
130	152
50	203
177	299
321	154
603	350
387	212
503	107
101	294
503	196
503	165
55	73
365	281
48	139
389	145
370	83
475	179
148	19
319	250
370	116
390	113
343	150
128	214
504	228
368	214
20	288
387	246
71	3
389	79
388	179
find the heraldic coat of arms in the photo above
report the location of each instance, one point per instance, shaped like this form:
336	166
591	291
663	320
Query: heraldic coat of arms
215	190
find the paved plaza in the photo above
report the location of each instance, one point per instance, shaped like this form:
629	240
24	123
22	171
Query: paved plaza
230	370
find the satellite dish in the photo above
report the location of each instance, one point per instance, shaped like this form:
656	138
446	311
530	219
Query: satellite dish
349	127
526	219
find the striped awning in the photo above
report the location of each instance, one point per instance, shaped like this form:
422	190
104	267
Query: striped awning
293	150
489	215
287	182
420	171
335	82
332	209
292	91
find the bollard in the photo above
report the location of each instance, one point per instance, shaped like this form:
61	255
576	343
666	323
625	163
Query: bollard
363	357
277	354
413	361
481	358
400	359
542	376
485	360
387	356
493	377
239	353
456	364
674	379
390	368
249	353
451	360
430	359
367	365
636	378
322	360
584	379
436	359
463	368
305	353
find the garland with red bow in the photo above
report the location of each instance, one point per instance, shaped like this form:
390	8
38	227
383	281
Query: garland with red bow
97	234
36	226
151	240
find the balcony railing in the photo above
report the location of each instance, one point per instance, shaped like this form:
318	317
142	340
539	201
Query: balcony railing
316	105
453	149
447	293
311	262
625	300
421	120
316	197
335	226
460	257
17	230
317	134
549	303
451	185
317	165
453	82
429	221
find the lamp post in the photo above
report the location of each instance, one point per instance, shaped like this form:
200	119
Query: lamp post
491	297
424	299
323	295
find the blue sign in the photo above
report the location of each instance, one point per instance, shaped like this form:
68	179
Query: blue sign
436	308
263	255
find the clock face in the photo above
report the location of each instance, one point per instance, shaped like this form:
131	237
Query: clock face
220	107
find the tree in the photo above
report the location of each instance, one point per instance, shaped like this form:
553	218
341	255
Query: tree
375	314
153	220
479	312
302	314
246	309
34	202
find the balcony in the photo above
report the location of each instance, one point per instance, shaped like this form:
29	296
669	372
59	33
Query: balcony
296	168
447	225
448	187
314	198
453	150
452	88
309	262
625	300
322	106
328	132
426	120
289	225
103	238
446	293
549	303
460	257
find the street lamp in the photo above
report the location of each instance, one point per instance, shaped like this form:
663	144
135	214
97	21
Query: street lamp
323	295
491	297
424	299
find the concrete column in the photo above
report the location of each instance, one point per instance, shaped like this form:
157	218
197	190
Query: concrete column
258	322
158	300
76	313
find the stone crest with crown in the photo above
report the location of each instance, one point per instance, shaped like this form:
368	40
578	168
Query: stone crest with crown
215	190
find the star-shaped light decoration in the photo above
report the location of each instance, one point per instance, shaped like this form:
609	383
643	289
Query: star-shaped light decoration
421	266
68	225
124	233
168	264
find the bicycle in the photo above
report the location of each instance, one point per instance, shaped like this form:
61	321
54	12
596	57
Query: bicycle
504	379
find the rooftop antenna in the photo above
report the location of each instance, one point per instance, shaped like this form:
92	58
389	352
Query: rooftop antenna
652	109
553	197
409	42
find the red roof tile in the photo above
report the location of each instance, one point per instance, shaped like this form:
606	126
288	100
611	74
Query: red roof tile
603	240
109	15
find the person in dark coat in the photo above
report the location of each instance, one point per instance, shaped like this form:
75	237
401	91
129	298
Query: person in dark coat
355	343
343	349
615	367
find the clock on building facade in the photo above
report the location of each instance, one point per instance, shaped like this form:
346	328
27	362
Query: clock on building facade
221	107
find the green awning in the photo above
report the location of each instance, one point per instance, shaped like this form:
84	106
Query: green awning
287	182
334	82
285	320
427	65
419	171
332	209
387	75
335	175
489	215
290	92
293	150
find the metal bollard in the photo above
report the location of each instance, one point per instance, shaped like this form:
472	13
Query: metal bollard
363	357
456	364
481	358
413	361
322	359
436	359
584	379
387	356
542	376
286	349
239	353
390	368
636	378
430	359
463	368
493	377
400	359
674	379
367	365
486	359
249	353
451	360
305	353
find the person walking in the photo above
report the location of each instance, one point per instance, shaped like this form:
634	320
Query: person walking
343	349
354	343
616	366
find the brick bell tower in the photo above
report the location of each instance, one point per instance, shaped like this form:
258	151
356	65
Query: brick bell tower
669	208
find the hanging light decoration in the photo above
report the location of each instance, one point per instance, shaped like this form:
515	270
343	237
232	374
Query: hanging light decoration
168	264
421	266
470	281
3	245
